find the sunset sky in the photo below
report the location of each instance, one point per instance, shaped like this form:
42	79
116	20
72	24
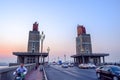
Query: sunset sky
59	19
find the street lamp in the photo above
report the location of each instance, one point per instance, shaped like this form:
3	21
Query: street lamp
42	37
82	50
65	57
48	50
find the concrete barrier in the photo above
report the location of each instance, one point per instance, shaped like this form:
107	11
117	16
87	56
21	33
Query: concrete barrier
7	73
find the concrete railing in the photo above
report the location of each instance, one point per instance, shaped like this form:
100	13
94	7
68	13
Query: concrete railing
7	73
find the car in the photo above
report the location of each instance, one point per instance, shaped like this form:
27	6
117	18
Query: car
87	66
108	72
83	66
70	64
91	66
64	65
54	63
59	62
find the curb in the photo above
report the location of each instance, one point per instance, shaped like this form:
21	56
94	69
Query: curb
44	74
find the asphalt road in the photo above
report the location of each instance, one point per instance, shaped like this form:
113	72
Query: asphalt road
55	72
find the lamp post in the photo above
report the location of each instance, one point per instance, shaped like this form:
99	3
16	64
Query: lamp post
82	55
65	57
48	50
42	37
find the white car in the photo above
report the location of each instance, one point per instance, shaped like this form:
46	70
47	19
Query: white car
83	66
91	66
70	65
64	65
87	66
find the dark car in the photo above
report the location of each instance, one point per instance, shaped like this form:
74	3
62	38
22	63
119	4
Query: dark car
108	72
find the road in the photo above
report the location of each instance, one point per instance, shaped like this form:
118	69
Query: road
55	72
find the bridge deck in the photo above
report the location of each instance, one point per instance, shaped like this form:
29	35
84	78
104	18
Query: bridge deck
34	75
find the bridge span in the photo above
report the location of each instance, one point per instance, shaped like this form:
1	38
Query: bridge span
52	72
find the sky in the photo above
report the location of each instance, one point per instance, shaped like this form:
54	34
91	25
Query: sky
59	19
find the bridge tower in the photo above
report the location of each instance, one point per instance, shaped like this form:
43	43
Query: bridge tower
32	55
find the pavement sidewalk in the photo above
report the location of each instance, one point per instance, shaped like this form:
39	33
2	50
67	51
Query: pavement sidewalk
34	75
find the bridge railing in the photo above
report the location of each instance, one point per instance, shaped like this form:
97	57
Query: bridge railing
7	73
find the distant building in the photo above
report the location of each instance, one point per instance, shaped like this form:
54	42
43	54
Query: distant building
32	55
84	49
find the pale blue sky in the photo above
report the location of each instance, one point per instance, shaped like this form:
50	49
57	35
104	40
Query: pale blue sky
58	19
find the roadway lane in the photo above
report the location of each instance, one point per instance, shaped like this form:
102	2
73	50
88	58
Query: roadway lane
56	72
